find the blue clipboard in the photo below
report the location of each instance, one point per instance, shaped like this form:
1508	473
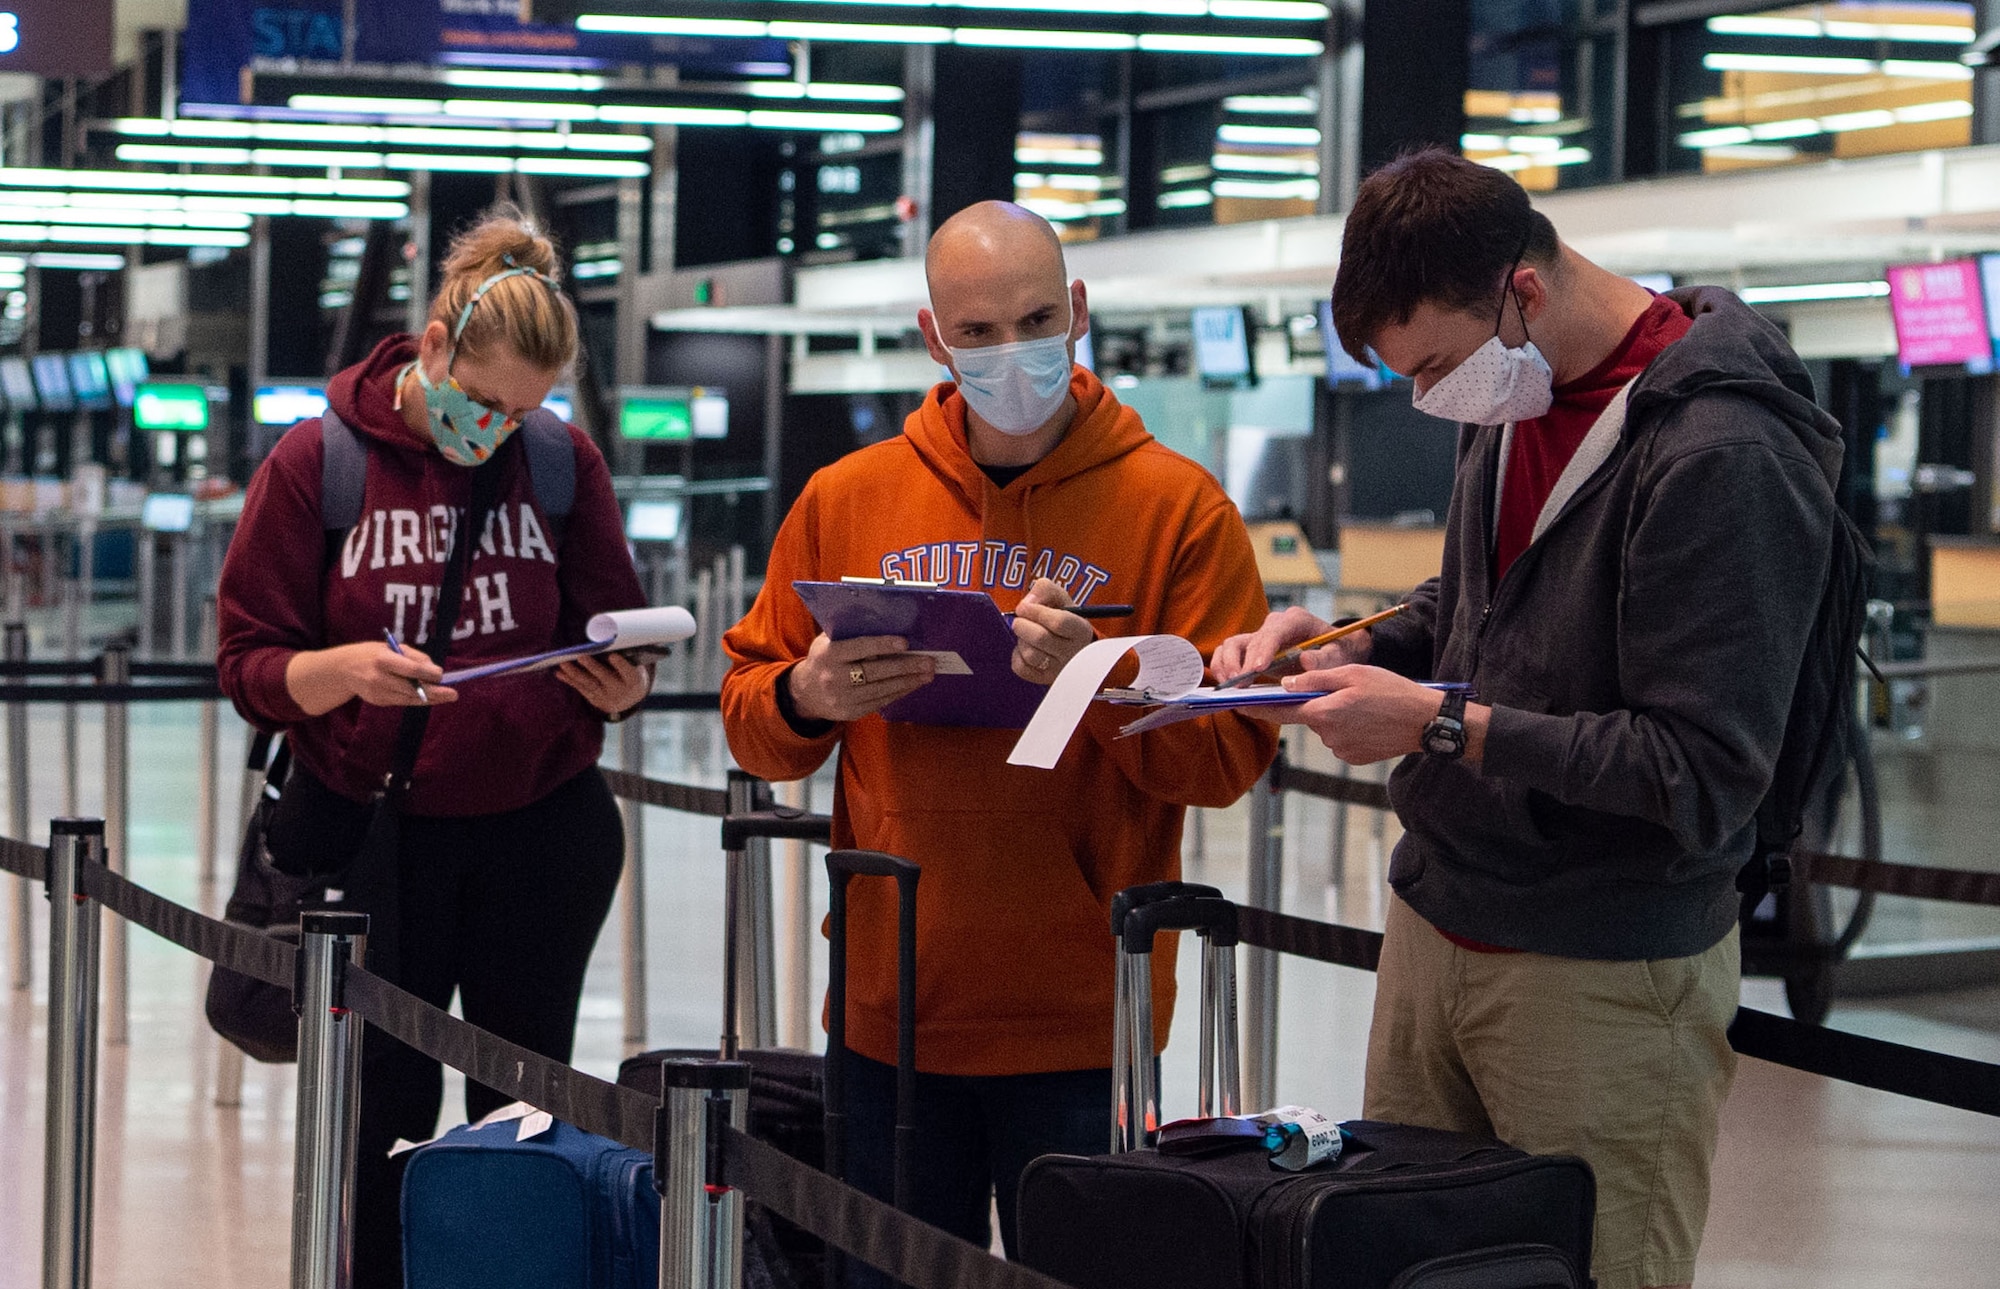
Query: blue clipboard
966	623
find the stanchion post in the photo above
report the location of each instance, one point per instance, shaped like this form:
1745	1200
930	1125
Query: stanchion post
798	922
75	596
328	1104
207	818
701	1218
750	923
70	1147
116	670
632	887
23	917
1260	1010
146	548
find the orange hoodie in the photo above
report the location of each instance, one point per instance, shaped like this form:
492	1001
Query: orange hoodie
1014	954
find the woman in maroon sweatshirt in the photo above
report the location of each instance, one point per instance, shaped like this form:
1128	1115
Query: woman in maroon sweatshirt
510	843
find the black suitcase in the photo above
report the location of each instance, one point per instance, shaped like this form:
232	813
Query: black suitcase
1400	1208
793	1104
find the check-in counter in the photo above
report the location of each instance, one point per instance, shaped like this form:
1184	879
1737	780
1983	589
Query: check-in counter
1388	559
1965	582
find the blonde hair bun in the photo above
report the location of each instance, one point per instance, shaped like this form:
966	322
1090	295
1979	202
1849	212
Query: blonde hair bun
526	314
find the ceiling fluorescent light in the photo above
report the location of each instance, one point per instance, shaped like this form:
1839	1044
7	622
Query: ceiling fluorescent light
637	115
832	92
863	32
364	106
1796	64
22	213
1184	199
1926	70
1247	46
1534	143
445	161
1814	291
1269	10
1946	110
1726	136
636	25
1257	163
1299	136
102	236
1154	8
154	181
1508	161
486	78
583	167
1009	38
1270	105
76	260
1796	128
172	154
1813	29
314	158
515	110
1481	143
350	209
1566	157
864	122
1759	152
1267	189
1045	156
1841	122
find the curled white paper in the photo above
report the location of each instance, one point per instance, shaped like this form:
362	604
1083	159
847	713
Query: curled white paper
1168	667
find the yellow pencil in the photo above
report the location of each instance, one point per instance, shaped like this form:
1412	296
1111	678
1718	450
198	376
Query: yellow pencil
1318	641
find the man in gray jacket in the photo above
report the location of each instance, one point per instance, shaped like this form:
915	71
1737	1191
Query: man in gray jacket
1639	533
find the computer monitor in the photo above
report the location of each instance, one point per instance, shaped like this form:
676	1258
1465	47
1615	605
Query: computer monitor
652	414
563	403
128	369
19	383
167	512
1223	346
1658	283
708	413
52	383
653	521
161	405
287	404
90	381
1341	369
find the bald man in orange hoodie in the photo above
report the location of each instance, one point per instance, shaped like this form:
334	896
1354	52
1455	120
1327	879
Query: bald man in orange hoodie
1025	478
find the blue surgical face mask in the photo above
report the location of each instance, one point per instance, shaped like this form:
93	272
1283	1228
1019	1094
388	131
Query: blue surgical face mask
1015	388
466	431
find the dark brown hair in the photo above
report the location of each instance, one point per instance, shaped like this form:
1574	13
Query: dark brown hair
1431	226
521	314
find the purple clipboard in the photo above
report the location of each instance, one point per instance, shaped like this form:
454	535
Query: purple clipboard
966	623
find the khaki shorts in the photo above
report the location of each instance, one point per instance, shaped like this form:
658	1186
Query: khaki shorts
1624	1063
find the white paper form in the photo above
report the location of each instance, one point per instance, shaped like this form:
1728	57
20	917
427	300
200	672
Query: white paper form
1168	667
605	633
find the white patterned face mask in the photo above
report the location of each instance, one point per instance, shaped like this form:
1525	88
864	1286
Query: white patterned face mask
1496	384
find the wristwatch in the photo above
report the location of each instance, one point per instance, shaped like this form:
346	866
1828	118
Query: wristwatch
1445	734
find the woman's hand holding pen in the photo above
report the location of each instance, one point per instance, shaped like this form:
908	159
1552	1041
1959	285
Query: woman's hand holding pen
1046	636
320	680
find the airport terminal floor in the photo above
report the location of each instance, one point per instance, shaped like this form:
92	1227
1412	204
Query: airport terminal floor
1818	1183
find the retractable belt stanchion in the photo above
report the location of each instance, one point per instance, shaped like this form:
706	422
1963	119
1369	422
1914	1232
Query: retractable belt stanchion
798	922
117	670
70	1149
329	1102
1139	913
632	887
701	1218
1266	877
75	597
208	822
22	920
747	951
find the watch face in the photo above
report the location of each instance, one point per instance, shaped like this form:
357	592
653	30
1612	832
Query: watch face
1444	737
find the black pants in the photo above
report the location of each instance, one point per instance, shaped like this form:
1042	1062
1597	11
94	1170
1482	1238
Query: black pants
504	910
975	1133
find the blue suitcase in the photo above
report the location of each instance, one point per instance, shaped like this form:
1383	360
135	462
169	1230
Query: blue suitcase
561	1210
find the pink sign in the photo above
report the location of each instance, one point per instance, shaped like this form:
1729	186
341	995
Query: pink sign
1940	314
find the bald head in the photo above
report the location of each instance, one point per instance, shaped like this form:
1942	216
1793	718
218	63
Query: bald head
996	276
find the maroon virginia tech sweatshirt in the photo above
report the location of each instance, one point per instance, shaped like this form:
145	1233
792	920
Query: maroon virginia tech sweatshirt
508	740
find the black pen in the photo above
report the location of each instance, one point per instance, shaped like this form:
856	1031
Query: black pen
1094	611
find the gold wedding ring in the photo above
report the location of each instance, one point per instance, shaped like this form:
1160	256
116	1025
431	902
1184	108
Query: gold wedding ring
855	676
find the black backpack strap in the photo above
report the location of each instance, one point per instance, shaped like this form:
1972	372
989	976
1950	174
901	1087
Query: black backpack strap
343	474
551	460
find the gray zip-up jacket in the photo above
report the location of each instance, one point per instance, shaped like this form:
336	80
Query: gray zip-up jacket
1639	658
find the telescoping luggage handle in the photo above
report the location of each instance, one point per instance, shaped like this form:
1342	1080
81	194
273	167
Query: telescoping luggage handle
1138	914
841	867
743	886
